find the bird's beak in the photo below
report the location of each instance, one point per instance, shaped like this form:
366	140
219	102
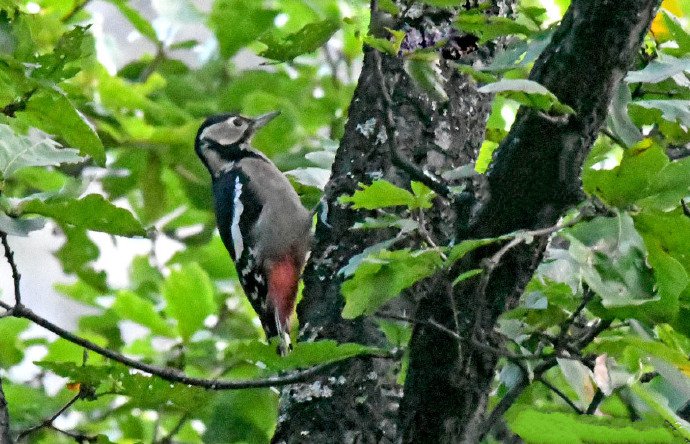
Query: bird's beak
263	119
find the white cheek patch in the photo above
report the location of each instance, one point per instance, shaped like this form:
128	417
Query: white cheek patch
216	163
237	209
223	133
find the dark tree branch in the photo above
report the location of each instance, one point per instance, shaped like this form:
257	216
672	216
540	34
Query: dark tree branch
166	373
419	120
48	422
560	394
533	179
16	277
596	401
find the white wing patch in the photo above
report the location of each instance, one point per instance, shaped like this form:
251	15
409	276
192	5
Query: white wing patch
237	209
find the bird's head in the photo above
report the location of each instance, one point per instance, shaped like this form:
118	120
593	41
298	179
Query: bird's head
224	138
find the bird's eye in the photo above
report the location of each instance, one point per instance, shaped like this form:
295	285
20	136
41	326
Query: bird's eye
237	122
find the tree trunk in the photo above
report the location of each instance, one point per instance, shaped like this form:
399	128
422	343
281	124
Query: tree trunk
535	176
360	402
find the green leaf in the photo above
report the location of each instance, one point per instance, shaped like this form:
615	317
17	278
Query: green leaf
680	35
427	76
660	405
129	305
389	6
311	176
613	260
189	295
673	110
466	275
568	428
53	113
303	355
20	227
464	247
668	186
405	225
662	68
308	39
423	194
242	416
486	153
28	405
623	185
11	347
477	75
354	262
17	151
382	194
211	256
490	27
91	212
390	46
237	23
60	63
528	93
140	23
382	276
618	119
80	291
143	391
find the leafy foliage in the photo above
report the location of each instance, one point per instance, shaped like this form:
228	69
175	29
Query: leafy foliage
68	103
91	144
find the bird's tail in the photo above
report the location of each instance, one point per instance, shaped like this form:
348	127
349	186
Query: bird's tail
282	289
285	343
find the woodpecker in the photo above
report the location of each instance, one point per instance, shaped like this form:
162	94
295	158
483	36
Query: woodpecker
260	218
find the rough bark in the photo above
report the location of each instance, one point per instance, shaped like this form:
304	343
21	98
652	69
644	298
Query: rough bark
359	402
534	177
4	419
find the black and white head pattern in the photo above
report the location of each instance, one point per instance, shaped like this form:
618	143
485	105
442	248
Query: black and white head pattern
225	129
224	139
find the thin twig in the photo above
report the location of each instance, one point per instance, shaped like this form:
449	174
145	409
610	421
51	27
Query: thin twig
512	395
596	401
613	137
16	277
76	436
559	393
587	296
490	264
49	421
155	63
427	236
167	439
425	177
75	10
473	342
